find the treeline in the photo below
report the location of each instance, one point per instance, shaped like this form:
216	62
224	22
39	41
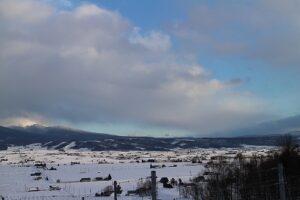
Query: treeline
253	178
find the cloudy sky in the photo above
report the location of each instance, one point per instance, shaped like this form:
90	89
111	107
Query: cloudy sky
160	68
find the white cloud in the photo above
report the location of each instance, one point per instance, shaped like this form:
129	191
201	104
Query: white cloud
154	40
196	71
29	11
265	31
86	66
26	120
90	10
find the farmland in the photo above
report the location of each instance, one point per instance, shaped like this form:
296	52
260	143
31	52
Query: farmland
33	172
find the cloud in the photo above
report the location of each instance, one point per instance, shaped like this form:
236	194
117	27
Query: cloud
196	71
154	40
22	121
281	126
91	65
267	31
24	11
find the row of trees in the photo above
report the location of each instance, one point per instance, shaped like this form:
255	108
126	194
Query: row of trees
253	178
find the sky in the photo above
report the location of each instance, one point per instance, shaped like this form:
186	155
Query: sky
149	68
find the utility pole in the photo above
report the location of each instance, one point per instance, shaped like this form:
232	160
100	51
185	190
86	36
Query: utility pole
281	182
153	185
218	186
115	190
196	192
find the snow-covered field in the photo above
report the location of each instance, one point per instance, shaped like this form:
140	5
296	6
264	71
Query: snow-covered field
127	168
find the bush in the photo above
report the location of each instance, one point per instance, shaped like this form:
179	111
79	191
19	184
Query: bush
106	192
144	187
164	180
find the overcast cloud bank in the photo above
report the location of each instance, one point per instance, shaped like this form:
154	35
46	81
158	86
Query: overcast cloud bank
92	65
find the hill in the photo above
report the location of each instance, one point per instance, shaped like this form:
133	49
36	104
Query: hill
61	137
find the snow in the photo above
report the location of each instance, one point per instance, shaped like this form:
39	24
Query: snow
17	163
69	146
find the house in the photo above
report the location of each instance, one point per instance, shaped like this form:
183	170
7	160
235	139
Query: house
131	192
36	174
52	168
38	178
85	180
75	163
34	189
54	187
40	165
98	178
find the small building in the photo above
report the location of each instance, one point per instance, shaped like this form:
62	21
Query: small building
98	178
36	174
34	189
85	180
54	187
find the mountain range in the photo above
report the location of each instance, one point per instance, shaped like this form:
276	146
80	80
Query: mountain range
62	138
285	125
